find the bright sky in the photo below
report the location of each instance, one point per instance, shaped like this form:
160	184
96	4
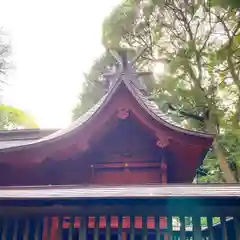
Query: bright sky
54	42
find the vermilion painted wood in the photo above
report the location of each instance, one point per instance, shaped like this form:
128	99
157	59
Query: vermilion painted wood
104	140
102	224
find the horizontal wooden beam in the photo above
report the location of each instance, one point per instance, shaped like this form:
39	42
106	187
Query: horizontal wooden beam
127	164
123	210
168	192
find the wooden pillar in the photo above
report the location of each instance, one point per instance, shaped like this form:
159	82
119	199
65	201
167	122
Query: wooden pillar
50	228
124	236
163	142
53	229
236	228
165	236
45	226
164	171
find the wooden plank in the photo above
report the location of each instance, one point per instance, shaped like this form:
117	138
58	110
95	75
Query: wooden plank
4	229
210	228
70	230
120	221
157	227
224	228
26	229
121	209
60	223
37	229
170	227
237	228
182	228
15	229
197	233
144	228
132	228
108	228
160	191
48	227
130	165
82	231
96	228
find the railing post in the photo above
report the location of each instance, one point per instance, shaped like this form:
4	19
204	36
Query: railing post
96	227
144	228
169	227
223	228
132	227
4	229
26	230
157	227
71	225
48	225
60	223
237	228
197	228
15	229
210	228
37	228
82	231
108	228
120	220
182	228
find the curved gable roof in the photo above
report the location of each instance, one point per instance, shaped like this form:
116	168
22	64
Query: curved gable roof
148	105
128	79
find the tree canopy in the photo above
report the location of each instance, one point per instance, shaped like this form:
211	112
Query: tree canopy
13	118
199	46
233	4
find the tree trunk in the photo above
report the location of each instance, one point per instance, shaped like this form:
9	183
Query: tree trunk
227	173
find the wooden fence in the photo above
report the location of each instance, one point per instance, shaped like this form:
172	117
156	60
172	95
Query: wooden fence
127	219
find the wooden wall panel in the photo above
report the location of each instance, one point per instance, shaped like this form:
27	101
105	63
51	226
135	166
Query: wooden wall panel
127	176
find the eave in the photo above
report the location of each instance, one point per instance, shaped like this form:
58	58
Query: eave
25	134
121	192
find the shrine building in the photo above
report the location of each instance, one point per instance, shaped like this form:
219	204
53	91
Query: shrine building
123	155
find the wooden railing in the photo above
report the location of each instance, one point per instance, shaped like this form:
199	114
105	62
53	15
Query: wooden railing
93	228
126	219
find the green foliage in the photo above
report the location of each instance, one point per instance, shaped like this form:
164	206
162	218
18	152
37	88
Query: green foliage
13	118
212	170
10	117
93	88
189	222
123	17
234	4
215	220
199	45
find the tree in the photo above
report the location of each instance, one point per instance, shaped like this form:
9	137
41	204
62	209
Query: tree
10	117
199	46
232	4
93	88
186	38
13	118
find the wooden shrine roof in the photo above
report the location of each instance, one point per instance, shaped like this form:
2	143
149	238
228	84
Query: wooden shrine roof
11	138
118	192
150	107
25	134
